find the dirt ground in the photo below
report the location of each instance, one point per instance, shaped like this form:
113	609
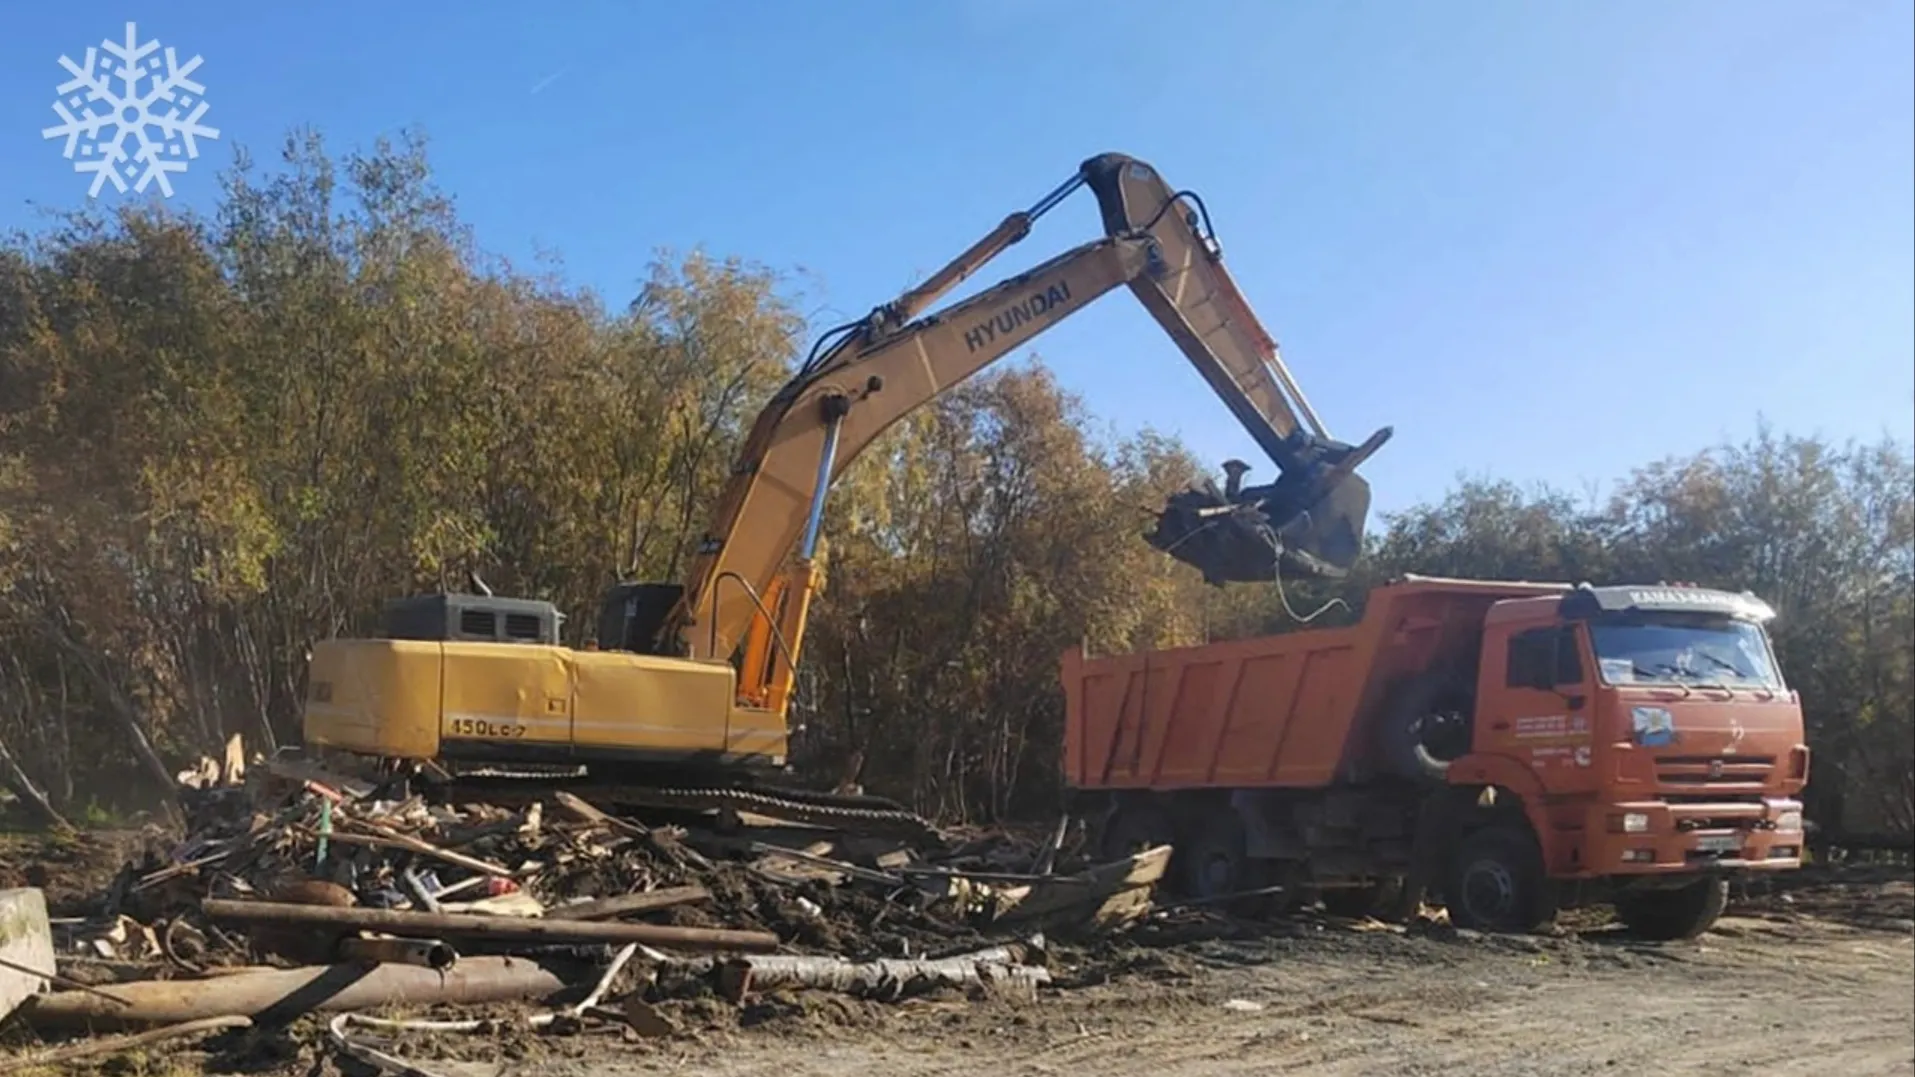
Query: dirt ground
1814	974
1822	984
1816	978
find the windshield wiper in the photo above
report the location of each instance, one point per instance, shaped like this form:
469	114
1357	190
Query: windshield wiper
1725	664
1655	678
1734	669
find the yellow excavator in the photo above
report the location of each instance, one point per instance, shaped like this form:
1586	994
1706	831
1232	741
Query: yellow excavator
680	701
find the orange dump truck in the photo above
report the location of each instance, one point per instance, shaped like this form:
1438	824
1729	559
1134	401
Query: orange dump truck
1507	748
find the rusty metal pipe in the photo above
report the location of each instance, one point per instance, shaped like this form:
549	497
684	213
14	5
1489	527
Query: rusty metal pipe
426	953
277	996
519	928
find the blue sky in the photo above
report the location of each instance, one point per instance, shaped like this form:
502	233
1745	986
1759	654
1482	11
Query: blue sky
1544	240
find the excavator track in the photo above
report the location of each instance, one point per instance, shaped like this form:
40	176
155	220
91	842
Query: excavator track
865	814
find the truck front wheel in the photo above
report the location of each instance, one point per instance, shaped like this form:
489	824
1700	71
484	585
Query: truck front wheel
1496	882
1669	915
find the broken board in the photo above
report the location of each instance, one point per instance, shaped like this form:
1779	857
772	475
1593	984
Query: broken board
26	942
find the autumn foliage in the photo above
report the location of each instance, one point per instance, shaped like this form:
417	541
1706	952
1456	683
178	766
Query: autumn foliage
225	437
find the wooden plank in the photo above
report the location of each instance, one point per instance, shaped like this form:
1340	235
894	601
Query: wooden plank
624	904
26	942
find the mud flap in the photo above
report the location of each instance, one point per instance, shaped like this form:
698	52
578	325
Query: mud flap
1436	820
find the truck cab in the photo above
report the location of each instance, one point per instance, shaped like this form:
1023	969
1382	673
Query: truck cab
1649	735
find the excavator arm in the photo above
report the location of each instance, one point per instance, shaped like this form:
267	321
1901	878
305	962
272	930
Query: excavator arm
864	377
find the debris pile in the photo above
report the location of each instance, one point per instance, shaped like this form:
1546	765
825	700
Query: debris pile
297	892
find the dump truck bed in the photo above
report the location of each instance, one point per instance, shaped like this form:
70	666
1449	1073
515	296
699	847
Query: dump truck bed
1287	710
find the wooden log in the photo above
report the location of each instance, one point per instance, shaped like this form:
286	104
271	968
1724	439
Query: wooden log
623	904
434	925
281	995
887	978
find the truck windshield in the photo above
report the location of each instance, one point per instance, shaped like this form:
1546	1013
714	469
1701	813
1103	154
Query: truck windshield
1684	650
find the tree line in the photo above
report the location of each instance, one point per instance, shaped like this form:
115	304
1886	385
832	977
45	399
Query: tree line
225	436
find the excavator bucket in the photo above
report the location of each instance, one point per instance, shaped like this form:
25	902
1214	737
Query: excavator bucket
1245	542
1309	524
1327	537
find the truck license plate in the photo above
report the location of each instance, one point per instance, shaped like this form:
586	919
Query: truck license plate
1719	843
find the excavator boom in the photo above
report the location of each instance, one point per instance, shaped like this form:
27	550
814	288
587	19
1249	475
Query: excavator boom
872	373
681	700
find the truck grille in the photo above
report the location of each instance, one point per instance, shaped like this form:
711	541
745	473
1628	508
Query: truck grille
1710	771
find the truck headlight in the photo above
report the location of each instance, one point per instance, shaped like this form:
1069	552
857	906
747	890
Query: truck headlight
1789	820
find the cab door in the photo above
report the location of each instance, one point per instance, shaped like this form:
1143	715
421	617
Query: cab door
1538	708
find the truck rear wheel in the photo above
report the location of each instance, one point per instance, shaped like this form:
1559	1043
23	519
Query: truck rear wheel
1135	826
1669	915
1496	882
1215	860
